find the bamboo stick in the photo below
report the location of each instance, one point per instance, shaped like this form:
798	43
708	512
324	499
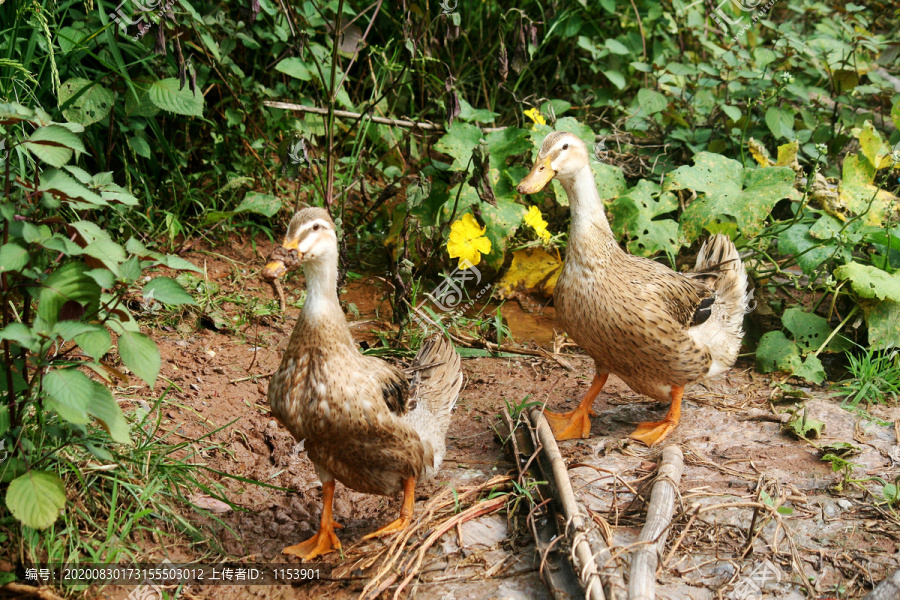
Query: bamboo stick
642	582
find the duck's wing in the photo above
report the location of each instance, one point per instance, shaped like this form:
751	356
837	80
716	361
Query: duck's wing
388	383
688	301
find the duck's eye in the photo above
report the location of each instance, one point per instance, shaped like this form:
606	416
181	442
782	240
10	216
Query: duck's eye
315	226
565	146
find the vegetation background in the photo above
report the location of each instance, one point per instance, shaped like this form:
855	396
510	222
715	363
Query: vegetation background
131	132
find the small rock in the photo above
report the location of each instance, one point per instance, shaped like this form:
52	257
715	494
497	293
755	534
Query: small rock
211	353
195	387
181	343
273	424
831	511
845	504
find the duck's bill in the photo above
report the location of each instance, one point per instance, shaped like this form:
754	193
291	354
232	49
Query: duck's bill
538	178
274	270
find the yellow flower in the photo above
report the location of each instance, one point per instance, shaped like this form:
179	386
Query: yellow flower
536	116
537	222
467	241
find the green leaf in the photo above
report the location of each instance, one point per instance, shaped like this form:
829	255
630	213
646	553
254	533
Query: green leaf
20	334
91	106
617	47
811	370
36	498
165	94
870	282
107	411
811	330
615	77
294	67
261	204
860	195
12	258
53	144
176	262
777	353
651	101
137	100
803	427
883	321
63	186
458	143
633	216
167	291
475	115
69	283
732	112
140	354
96	343
508	142
140	146
809	252
69	392
100	245
747	194
780	122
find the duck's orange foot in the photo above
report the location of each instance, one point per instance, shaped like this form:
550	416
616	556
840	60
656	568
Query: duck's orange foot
323	542
392	527
652	432
575	424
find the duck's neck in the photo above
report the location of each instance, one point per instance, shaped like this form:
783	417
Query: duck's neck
589	228
322	302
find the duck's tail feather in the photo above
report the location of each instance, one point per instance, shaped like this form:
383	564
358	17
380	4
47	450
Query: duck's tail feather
720	265
435	383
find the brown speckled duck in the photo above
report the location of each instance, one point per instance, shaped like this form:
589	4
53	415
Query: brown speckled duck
657	329
366	424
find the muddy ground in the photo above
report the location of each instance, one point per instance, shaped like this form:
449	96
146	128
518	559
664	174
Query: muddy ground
732	437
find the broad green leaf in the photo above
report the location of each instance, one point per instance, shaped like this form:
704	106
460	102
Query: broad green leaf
165	94
732	112
167	291
294	67
475	115
36	498
91	106
508	142
137	100
763	56
99	244
780	122
811	370
777	353
809	251
615	77
104	278
870	282
860	195
64	186
176	262
633	214
140	146
810	331
617	47
883	321
68	283
96	343
53	144
20	334
12	257
107	411
458	143
873	146
140	354
261	204
651	101
67	330
747	194
803	427
69	391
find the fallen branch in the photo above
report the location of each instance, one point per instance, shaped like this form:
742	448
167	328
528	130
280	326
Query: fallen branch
577	521
642	581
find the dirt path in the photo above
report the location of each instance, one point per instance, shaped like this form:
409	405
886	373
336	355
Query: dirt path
734	446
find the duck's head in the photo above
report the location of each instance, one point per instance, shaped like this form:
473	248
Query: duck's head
562	155
310	238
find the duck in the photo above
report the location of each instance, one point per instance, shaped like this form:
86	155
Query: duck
658	330
365	422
